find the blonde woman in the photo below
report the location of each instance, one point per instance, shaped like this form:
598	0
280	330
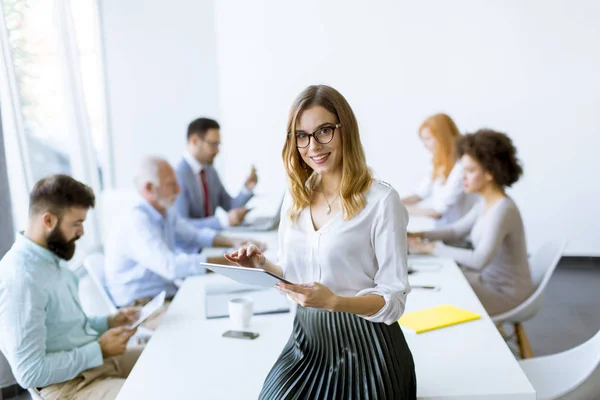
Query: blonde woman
443	186
342	242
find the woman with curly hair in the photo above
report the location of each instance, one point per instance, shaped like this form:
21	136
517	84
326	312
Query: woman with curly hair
497	267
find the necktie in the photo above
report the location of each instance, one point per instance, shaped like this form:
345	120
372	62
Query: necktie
205	191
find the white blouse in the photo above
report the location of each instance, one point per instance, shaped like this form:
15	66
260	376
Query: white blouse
447	197
363	255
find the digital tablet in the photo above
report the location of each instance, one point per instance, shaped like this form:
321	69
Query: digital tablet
149	309
248	276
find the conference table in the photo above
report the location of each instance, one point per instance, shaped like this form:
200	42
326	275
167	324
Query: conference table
187	357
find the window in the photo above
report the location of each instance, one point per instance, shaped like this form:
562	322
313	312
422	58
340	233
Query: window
33	42
90	58
53	74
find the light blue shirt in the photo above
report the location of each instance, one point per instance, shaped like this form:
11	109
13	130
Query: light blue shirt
148	251
44	333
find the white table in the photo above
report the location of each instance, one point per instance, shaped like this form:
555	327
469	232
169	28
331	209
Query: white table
188	358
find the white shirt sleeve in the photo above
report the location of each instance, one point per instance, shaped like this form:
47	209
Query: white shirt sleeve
390	244
223	218
149	249
424	189
451	191
190	236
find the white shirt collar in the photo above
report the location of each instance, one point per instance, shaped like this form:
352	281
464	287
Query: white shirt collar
193	163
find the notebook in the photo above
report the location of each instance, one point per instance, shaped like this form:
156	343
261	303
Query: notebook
436	318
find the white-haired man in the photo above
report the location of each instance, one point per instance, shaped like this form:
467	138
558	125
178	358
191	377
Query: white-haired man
152	247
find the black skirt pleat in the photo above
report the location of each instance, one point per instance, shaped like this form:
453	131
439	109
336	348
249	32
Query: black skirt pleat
342	356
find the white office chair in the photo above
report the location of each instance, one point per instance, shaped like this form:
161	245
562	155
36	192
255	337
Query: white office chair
94	265
35	394
542	264
112	205
99	301
571	375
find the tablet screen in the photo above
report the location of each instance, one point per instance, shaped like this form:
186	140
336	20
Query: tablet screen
246	275
153	306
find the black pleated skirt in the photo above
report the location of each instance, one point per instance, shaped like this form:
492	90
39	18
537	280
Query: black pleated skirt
342	356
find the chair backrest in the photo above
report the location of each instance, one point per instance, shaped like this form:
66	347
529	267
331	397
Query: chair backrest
580	379
544	261
591	386
542	264
94	266
113	204
35	395
588	389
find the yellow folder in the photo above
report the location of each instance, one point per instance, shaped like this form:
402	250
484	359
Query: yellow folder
436	317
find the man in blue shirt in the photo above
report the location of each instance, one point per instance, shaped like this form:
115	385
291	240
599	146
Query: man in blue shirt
152	247
46	337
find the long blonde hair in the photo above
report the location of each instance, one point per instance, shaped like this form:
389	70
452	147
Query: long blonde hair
356	177
445	133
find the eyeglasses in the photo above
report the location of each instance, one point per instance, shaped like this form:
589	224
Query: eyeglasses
214	145
323	135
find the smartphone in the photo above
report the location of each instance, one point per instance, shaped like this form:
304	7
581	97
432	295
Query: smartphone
426	287
240	335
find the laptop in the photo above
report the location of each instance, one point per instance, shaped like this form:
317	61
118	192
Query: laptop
262	223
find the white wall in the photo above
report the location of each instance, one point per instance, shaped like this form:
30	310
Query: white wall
526	68
161	74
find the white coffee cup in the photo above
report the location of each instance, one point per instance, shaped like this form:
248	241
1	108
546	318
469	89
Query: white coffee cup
240	312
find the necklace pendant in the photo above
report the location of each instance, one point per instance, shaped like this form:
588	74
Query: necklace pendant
328	210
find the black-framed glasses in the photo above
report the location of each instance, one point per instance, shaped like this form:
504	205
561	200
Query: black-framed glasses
214	145
323	135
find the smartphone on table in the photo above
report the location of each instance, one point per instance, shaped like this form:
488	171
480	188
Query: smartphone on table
240	335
